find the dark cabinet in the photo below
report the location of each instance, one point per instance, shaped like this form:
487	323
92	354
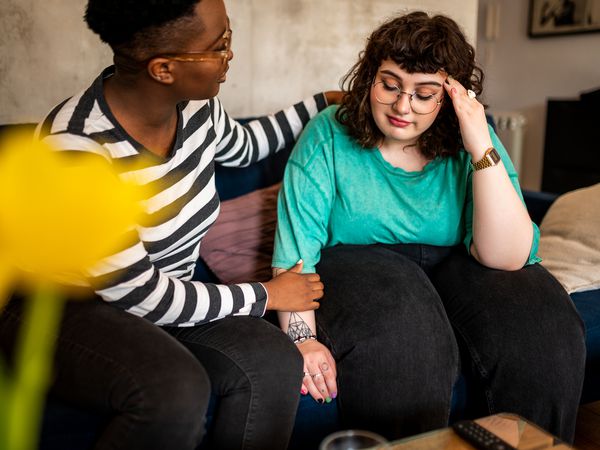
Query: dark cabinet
572	144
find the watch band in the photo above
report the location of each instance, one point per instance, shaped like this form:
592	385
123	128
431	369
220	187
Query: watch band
490	159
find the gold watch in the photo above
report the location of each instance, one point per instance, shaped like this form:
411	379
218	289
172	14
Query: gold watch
490	159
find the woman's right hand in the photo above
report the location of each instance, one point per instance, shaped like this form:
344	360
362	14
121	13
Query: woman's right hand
294	291
319	371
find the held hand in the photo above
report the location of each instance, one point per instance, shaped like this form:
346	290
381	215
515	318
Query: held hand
471	118
294	291
319	371
334	97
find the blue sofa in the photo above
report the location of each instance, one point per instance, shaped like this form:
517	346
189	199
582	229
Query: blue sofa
66	427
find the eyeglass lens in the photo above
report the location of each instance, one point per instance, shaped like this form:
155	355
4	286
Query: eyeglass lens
420	102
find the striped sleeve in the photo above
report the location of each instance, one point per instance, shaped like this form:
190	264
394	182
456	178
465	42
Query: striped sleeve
241	145
128	280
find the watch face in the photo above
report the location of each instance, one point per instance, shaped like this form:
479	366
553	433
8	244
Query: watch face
494	156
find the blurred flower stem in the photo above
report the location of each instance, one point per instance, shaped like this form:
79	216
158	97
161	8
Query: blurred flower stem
24	392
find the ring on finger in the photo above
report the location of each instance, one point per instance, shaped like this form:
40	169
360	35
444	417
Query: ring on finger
324	367
316	375
471	94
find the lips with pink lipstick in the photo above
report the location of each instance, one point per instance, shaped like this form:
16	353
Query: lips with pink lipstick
400	123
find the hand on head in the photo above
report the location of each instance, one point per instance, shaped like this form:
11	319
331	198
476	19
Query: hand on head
471	118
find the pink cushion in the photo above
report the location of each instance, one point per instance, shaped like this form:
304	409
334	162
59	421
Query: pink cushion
239	246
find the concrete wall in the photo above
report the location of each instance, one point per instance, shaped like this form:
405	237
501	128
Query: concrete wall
284	49
522	73
301	46
46	54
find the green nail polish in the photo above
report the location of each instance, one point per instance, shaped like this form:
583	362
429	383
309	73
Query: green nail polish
328	399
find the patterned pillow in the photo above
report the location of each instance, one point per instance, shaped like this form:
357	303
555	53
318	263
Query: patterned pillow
239	246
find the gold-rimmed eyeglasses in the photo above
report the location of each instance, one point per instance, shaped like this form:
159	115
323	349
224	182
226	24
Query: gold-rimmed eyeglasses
388	93
207	55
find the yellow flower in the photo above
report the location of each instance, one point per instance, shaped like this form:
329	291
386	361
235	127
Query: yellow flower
59	213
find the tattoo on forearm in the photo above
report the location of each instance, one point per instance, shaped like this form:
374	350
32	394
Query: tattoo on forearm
298	328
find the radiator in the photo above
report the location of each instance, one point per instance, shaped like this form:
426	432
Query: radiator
511	131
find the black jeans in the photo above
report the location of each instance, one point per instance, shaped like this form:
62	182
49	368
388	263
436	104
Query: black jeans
156	391
256	374
400	318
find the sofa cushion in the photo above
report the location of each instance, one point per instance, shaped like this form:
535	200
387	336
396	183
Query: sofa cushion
570	239
239	245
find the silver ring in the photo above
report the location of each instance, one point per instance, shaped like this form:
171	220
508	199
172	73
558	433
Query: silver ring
316	375
306	374
471	94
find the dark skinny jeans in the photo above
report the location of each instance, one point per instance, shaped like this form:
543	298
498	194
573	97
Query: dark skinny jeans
400	319
155	388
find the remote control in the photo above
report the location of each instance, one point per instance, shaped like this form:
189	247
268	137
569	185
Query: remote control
479	437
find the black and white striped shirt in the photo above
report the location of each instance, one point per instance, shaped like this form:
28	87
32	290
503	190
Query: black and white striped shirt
151	278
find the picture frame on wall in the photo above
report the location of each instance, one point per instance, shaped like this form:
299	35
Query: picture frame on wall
560	17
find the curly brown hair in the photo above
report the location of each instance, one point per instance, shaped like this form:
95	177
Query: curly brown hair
419	44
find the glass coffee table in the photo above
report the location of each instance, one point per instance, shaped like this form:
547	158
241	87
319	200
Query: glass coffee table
514	429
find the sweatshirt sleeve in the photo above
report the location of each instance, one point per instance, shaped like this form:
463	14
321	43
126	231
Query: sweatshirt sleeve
306	198
130	281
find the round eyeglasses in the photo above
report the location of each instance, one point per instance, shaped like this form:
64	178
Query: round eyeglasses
422	103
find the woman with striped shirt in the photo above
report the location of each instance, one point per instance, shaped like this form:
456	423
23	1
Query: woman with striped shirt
156	114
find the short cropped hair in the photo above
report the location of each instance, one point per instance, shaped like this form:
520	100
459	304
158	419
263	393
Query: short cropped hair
419	44
140	28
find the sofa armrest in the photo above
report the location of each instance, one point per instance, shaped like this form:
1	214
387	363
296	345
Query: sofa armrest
538	203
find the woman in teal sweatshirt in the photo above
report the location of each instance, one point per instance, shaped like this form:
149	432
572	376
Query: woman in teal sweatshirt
406	203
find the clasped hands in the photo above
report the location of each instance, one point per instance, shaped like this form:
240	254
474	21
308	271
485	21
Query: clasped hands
320	372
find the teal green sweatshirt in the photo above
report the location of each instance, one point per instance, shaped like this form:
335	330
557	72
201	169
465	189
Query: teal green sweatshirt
336	192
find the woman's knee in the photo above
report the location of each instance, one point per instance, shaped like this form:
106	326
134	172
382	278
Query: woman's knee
173	385
470	290
381	298
523	320
374	289
160	405
272	353
245	352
